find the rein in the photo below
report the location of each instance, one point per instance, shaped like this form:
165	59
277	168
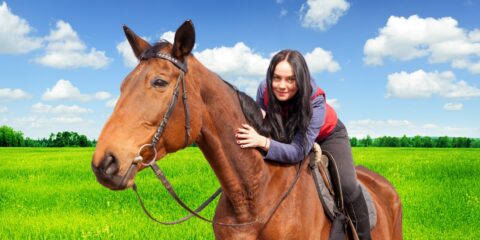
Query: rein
138	160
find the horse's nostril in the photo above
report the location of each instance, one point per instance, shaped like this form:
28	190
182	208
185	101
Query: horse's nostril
110	165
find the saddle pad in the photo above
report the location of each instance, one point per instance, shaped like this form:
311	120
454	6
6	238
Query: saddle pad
372	211
329	203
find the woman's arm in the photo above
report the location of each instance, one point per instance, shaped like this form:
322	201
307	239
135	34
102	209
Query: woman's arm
285	152
297	150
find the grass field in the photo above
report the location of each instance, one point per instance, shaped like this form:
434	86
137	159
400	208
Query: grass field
51	193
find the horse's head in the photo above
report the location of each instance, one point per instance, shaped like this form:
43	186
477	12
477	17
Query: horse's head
146	100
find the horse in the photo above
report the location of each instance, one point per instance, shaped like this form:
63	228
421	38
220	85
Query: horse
251	185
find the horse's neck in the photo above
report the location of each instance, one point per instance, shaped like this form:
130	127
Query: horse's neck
241	172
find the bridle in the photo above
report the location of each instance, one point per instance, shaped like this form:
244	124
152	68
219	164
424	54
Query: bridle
138	160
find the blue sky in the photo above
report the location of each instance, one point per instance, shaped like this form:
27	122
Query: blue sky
388	67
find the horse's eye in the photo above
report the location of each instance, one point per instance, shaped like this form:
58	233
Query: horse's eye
158	82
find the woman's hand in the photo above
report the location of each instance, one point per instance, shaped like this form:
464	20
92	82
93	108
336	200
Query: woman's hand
247	137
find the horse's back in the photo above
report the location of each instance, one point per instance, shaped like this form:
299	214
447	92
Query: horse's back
387	203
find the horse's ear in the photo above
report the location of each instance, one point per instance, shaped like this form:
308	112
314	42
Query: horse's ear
184	40
137	43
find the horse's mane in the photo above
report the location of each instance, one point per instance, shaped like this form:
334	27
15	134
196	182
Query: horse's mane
252	112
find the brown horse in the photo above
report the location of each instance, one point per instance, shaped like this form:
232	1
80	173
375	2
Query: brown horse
251	186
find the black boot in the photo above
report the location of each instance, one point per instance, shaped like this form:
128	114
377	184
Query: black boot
358	212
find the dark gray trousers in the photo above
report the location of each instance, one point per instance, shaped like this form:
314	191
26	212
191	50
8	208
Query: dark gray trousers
338	144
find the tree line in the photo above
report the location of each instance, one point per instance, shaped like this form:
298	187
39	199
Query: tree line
12	138
416	141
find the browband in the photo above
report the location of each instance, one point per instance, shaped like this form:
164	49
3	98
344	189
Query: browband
181	65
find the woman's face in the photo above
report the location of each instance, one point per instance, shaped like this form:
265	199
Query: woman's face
284	84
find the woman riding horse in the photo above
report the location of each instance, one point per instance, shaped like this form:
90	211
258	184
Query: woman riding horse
146	125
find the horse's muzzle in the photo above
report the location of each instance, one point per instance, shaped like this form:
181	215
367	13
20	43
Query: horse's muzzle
107	173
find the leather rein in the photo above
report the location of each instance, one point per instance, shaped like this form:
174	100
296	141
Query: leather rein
138	160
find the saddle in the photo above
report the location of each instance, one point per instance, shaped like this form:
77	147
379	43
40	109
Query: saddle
327	181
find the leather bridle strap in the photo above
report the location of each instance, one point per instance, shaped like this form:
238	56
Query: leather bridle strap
161	128
187	112
161	176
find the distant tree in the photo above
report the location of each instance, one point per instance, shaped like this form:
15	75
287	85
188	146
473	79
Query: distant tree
353	142
405	142
416	141
442	142
392	142
461	142
366	142
378	142
83	141
475	143
10	138
426	142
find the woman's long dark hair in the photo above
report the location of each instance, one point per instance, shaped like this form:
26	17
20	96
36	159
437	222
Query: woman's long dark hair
298	108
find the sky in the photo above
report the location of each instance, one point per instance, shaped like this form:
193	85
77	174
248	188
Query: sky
389	68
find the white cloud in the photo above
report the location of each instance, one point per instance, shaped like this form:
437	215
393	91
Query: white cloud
421	84
441	40
169	36
320	14
240	65
13	94
74	109
112	102
102	95
333	102
129	59
66	50
283	12
453	106
31	121
68	120
65	90
41	108
14	33
398	128
320	60
41	122
238	60
3	109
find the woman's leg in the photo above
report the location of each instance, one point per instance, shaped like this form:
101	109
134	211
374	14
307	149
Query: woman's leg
338	144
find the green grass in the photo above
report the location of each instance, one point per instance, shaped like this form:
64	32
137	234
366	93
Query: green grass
51	193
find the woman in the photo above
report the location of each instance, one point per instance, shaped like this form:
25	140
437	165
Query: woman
297	111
